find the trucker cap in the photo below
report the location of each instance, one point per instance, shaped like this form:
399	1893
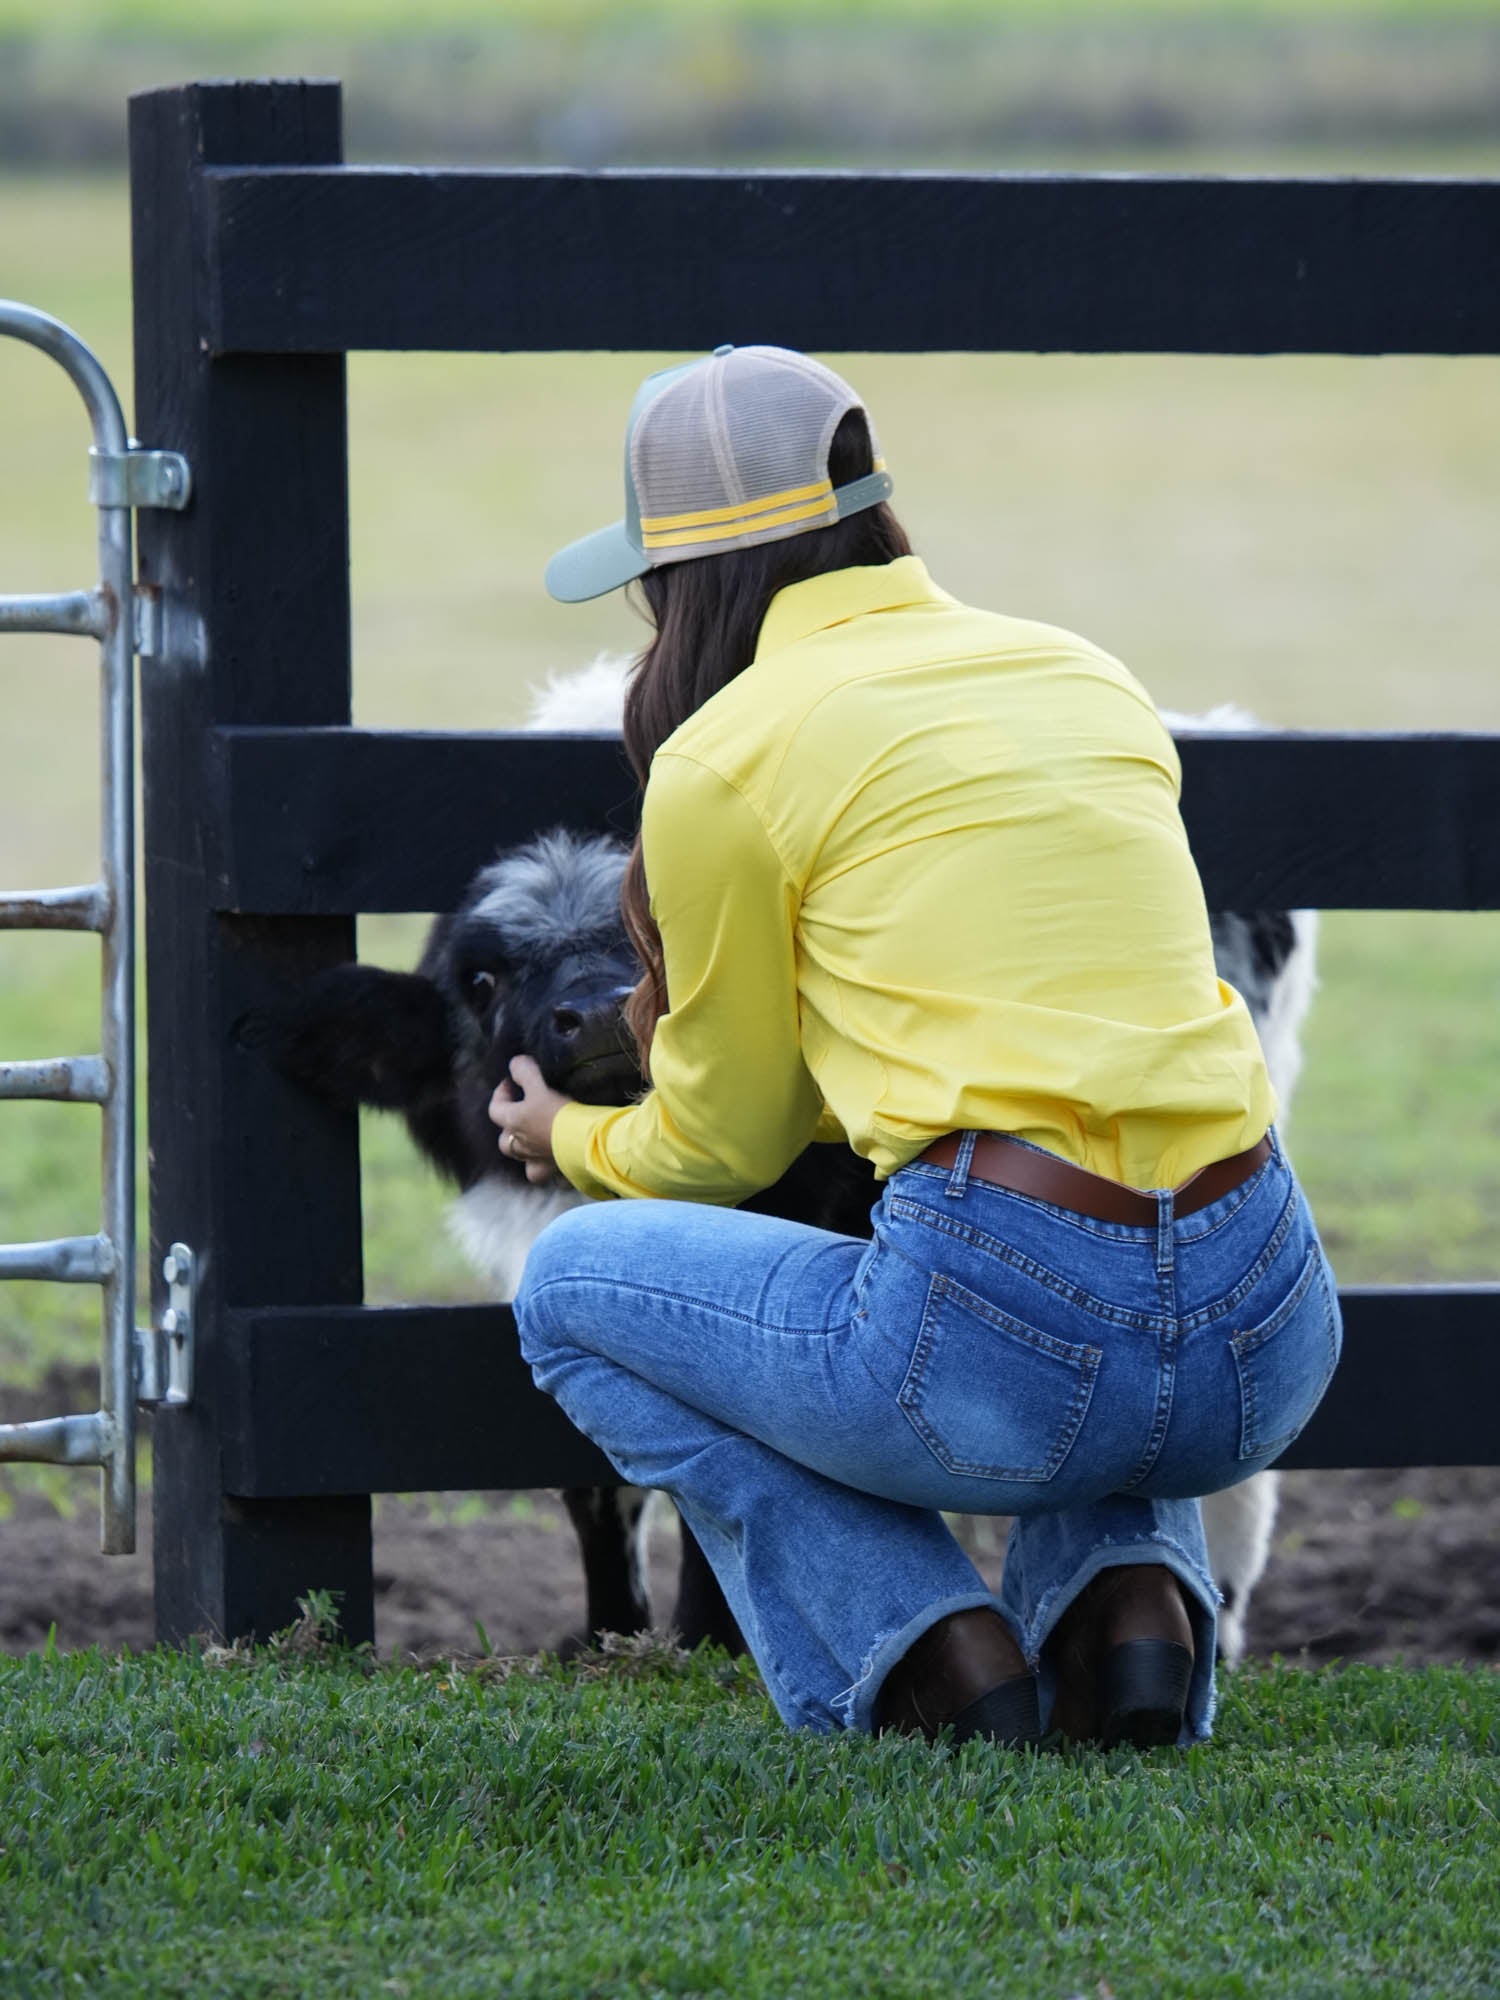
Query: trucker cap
722	453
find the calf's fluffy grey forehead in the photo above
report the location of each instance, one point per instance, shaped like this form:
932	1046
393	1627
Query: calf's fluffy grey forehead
552	892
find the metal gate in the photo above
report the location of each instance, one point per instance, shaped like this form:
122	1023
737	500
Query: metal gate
148	1365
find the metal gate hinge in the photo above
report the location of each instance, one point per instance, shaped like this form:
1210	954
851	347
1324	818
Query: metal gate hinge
138	478
164	1353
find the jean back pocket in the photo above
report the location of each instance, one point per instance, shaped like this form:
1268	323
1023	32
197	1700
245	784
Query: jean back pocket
1286	1362
991	1397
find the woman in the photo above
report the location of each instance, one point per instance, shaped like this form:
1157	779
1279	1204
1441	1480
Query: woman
917	884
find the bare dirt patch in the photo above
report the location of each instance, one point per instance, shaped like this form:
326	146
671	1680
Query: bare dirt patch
1368	1565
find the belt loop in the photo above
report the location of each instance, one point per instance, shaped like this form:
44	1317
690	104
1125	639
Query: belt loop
958	1180
1164	1200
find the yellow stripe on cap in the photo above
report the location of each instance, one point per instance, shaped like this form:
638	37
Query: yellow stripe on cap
737	510
745	525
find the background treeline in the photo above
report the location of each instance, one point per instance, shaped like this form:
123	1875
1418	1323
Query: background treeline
892	85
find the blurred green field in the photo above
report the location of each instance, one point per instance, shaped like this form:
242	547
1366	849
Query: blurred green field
191	18
1349	85
1310	537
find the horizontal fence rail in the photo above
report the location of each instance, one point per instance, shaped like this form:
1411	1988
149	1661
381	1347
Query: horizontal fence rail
334	821
397	1399
332	259
411	1398
337	821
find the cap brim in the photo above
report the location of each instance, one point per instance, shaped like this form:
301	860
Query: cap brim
598	563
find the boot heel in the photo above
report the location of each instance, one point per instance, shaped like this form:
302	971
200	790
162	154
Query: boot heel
1145	1690
1008	1714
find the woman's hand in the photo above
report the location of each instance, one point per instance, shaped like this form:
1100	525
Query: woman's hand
524	1109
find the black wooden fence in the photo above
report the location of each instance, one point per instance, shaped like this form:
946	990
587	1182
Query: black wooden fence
259	262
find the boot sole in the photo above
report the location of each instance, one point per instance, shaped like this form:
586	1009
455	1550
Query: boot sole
1145	1690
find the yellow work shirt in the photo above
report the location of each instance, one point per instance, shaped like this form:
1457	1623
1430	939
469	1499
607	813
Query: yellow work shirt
921	868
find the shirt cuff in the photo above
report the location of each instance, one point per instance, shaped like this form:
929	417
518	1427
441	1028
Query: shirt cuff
573	1132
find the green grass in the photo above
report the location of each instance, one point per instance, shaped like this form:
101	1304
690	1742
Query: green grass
1311	537
294	1826
1396	1130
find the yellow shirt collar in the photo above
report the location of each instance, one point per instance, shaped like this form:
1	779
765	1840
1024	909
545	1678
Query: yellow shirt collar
841	594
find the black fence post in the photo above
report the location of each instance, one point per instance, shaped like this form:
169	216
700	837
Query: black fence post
262	1183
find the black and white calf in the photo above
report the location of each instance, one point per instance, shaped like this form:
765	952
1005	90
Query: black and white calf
535	961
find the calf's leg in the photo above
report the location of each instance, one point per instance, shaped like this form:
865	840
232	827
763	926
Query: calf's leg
605	1520
703	1616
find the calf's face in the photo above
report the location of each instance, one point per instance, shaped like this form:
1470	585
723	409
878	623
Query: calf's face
562	1008
535	962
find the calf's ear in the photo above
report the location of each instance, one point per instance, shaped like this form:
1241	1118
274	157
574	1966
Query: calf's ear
358	1034
1272	938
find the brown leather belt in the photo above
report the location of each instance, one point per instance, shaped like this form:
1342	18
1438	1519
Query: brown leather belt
1003	1163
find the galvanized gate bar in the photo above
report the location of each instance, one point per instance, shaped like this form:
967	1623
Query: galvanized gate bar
85	908
66	1079
67	1260
91	1440
106	1438
85	614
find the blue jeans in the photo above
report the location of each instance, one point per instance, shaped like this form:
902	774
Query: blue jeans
811	1402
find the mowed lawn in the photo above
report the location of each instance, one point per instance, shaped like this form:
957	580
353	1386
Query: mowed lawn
296	1826
1310	537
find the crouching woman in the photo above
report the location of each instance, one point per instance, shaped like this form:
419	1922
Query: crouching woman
918	884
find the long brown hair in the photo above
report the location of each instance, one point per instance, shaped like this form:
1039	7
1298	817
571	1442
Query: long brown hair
708	614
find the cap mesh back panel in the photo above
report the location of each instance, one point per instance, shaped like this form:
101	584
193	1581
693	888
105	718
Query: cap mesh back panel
747	429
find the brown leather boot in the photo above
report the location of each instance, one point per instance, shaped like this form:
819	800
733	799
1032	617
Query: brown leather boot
966	1674
1124	1658
1075	1651
1148	1658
